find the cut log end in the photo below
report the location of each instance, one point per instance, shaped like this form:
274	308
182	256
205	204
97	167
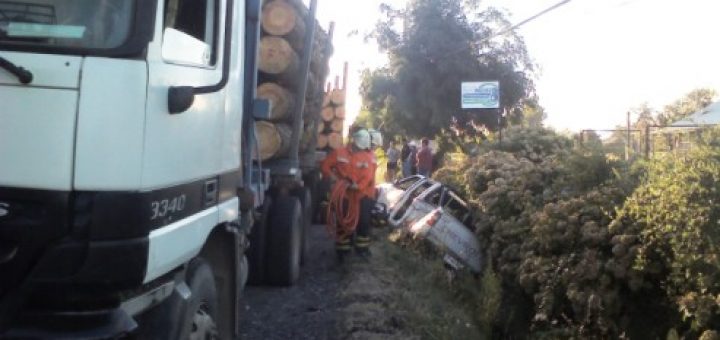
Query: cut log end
337	125
337	97
340	112
327	114
322	141
280	99
335	140
277	57
279	18
273	139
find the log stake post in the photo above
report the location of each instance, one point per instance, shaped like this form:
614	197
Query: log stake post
318	121
305	69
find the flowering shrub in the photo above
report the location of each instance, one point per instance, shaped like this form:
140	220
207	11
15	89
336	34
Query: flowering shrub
594	245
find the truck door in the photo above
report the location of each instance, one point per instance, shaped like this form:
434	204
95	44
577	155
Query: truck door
185	147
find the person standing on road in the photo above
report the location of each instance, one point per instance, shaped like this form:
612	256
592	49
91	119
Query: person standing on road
425	159
393	156
404	154
350	166
362	240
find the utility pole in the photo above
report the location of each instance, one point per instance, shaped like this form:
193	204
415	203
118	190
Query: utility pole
628	143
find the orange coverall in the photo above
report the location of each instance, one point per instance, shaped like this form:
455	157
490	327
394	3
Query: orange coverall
358	168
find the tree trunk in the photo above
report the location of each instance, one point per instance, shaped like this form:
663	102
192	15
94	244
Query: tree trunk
273	139
278	59
282	100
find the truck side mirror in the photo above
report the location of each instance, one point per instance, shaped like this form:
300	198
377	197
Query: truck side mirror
180	98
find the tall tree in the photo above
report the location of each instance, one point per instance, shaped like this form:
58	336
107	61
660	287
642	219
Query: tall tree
688	104
433	46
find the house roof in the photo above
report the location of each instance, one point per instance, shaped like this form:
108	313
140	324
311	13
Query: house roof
710	115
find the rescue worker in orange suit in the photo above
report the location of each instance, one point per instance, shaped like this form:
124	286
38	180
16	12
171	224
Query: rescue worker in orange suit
376	144
352	163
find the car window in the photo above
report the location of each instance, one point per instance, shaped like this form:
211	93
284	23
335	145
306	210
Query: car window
434	196
406	183
457	209
419	190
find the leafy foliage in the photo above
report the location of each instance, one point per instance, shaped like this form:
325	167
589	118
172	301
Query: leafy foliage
433	46
591	245
676	227
690	103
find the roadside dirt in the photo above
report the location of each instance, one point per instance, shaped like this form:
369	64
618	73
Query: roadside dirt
308	310
352	301
392	296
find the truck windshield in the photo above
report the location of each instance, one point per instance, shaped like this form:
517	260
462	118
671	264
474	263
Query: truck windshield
76	24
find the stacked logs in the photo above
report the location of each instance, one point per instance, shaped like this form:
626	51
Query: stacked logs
280	50
332	116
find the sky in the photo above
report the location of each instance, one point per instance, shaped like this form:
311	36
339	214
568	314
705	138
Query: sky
597	58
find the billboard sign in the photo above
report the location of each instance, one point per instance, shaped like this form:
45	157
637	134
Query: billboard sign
480	95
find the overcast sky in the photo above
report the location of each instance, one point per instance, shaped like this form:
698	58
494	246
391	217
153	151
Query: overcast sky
598	58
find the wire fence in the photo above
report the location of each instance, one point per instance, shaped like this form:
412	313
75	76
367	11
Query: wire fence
648	141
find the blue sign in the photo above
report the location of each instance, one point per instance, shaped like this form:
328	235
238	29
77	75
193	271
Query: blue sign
480	95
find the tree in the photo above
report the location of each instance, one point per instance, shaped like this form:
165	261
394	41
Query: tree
433	46
690	103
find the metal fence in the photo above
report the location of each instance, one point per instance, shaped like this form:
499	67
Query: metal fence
646	142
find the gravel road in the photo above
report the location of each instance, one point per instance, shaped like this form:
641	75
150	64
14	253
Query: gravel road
308	310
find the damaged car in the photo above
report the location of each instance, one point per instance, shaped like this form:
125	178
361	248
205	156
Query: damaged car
433	211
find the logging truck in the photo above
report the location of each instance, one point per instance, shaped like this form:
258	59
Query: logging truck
154	156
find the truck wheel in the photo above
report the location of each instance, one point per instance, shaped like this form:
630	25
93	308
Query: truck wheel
258	246
284	241
305	196
200	321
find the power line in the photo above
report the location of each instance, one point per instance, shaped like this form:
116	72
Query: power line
513	27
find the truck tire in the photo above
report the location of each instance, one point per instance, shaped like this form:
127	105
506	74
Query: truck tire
305	197
201	315
284	241
256	254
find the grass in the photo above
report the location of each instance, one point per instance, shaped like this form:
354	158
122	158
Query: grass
435	305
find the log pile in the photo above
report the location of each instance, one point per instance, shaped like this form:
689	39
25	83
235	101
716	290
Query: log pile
333	116
284	28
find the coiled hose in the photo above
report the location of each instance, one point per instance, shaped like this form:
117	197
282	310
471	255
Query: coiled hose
343	211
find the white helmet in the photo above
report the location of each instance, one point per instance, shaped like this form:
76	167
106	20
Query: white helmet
361	139
376	140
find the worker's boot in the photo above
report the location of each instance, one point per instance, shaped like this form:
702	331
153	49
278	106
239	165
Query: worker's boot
362	247
342	249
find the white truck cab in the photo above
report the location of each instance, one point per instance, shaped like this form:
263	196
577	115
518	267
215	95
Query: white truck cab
123	166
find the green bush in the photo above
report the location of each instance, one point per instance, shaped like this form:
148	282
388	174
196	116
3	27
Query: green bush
592	245
673	220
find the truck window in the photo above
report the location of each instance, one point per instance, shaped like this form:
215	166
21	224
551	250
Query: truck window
84	24
197	18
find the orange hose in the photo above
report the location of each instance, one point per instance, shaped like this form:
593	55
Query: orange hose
342	223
